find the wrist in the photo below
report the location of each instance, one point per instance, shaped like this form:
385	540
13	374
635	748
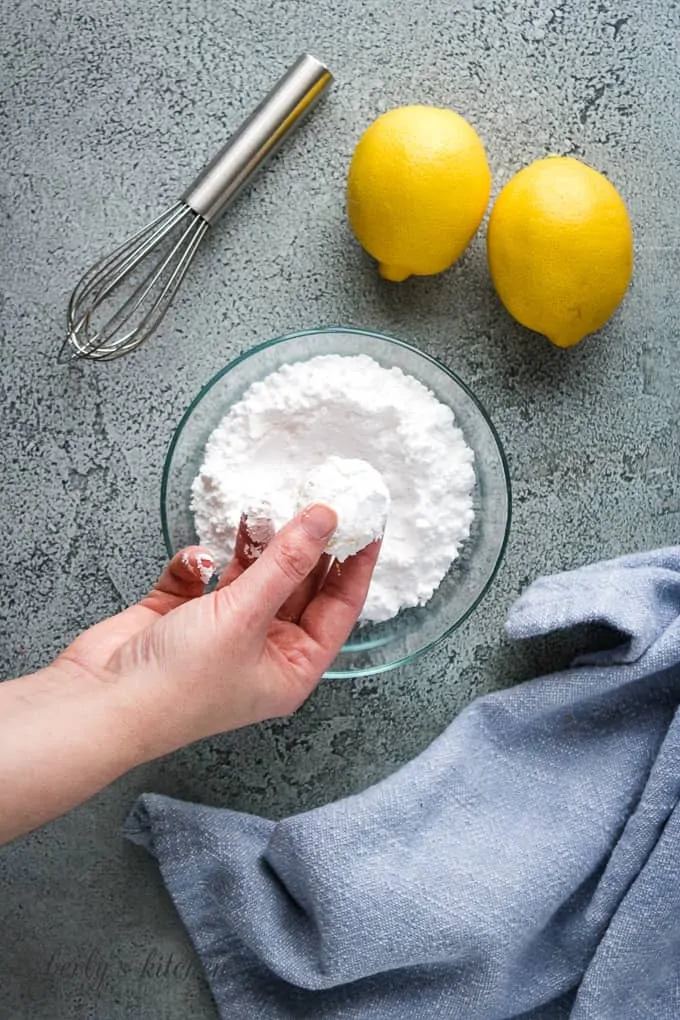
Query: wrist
112	706
152	713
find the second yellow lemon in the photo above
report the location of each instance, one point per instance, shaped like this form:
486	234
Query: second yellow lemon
560	248
418	186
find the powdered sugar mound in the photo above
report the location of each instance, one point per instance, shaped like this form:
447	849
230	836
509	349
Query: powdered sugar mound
284	427
359	496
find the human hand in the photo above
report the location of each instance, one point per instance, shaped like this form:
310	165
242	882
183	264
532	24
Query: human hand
187	664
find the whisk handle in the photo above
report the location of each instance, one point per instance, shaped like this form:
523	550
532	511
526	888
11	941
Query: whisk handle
278	114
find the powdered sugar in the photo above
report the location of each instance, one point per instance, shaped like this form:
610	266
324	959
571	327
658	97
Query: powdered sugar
285	427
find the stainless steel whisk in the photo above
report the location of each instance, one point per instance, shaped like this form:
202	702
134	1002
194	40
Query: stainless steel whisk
141	293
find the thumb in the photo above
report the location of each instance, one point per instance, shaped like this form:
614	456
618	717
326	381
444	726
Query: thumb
288	559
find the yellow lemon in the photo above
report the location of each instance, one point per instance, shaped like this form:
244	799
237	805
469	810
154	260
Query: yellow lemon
560	248
418	186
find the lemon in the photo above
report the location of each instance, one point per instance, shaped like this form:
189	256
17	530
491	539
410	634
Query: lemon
560	248
418	186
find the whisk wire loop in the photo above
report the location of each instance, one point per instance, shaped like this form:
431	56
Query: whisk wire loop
124	296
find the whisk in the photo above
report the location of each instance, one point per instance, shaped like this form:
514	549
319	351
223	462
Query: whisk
123	297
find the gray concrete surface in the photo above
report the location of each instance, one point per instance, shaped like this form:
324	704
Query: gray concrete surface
108	109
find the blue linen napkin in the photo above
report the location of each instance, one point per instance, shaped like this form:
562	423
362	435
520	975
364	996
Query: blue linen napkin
524	865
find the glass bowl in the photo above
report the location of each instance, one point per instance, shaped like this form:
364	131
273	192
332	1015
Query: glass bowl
372	647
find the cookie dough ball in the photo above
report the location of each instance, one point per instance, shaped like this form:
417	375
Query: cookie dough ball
359	496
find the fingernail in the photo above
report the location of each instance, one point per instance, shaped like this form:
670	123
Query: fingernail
201	565
255	532
206	568
319	521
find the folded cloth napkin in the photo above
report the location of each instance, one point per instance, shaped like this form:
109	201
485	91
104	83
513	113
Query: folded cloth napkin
524	865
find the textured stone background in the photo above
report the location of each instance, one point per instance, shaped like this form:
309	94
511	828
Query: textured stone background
108	110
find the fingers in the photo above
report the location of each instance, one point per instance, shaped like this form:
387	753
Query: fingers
249	546
254	535
285	564
184	577
229	574
329	618
293	608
